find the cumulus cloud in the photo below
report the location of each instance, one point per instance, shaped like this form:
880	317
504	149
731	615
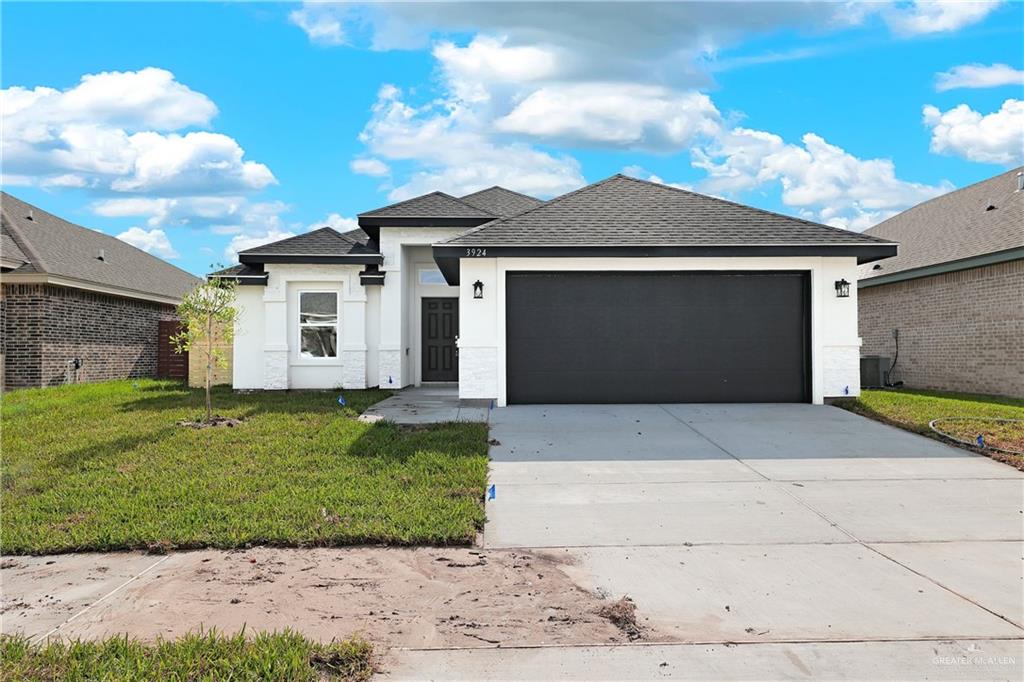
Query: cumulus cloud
150	241
324	27
116	131
616	114
987	138
978	76
936	16
336	221
822	181
641	173
241	242
375	168
453	151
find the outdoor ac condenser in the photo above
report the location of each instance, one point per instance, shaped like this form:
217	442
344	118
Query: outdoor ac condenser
872	371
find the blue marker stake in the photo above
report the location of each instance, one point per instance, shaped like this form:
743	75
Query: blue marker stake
981	441
490	492
492	405
341	401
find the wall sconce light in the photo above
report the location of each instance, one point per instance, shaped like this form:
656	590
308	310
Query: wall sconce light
842	289
478	289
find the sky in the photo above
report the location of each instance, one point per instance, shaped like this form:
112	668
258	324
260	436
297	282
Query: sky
196	130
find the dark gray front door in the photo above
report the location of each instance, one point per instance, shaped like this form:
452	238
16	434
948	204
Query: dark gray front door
440	327
657	337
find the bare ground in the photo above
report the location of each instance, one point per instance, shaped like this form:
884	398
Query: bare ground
426	597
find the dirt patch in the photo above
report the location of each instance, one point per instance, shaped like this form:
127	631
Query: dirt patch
622	614
393	597
212	423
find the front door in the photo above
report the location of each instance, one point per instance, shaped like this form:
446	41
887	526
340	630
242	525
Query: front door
440	327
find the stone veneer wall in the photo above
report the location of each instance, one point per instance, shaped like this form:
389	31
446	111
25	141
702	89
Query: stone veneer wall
959	331
43	326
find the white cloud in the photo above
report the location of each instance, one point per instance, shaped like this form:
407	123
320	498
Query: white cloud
321	26
821	180
115	131
618	114
150	241
483	66
978	76
373	167
336	221
178	211
641	173
987	138
936	16
451	147
242	242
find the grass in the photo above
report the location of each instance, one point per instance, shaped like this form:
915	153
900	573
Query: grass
104	466
203	656
913	410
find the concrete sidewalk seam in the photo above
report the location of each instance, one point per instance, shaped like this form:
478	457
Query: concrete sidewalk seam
103	598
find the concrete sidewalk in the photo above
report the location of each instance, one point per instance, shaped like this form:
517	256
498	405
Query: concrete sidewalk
428	404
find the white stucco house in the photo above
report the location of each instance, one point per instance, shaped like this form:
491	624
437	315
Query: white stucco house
622	291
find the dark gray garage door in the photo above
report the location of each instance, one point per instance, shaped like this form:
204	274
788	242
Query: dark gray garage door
653	337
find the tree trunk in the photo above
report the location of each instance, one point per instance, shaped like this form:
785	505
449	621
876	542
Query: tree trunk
209	365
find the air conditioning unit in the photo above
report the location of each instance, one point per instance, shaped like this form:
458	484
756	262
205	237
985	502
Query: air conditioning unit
872	371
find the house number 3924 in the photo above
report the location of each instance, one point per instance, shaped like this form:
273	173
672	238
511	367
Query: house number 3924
476	253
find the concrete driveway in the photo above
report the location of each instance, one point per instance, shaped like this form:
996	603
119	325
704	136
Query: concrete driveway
780	540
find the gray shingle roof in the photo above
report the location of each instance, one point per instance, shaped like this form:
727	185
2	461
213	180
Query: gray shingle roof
433	205
325	241
54	246
955	226
501	202
241	270
624	211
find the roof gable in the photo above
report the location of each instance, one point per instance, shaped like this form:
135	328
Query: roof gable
434	205
955	226
625	211
501	202
53	246
324	245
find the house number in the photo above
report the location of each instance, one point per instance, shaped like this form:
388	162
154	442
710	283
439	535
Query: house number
476	253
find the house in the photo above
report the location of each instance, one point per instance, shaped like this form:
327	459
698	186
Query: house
622	291
77	300
950	307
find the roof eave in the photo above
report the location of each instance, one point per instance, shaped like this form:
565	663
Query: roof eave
942	268
422	221
338	259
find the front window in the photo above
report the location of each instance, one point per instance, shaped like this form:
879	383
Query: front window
318	324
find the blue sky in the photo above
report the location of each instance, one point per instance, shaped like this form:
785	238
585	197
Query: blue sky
195	130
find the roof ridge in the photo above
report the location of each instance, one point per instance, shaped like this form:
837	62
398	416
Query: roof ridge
421	196
12	225
747	207
503	189
288	239
1018	169
543	204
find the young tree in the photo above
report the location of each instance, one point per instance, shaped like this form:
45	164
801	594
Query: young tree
206	311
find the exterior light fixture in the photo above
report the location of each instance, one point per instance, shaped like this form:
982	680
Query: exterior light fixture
842	289
478	289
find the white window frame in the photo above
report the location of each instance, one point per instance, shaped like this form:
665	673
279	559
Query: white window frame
300	325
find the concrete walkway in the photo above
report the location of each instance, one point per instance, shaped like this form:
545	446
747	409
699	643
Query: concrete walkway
769	541
428	404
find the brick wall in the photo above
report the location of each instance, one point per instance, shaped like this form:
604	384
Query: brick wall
959	331
44	326
197	364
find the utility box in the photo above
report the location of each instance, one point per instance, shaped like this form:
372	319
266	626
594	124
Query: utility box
872	371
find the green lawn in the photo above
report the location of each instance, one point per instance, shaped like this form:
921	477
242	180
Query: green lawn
104	466
913	410
284	656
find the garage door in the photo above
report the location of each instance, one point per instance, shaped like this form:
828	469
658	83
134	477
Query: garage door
657	337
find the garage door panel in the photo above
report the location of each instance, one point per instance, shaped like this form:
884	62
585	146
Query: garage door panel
656	337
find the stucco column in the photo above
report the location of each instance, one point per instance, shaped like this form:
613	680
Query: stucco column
389	362
353	336
275	335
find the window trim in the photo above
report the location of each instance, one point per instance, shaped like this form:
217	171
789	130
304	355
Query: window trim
300	325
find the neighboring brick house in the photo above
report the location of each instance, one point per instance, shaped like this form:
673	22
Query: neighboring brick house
74	294
955	292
